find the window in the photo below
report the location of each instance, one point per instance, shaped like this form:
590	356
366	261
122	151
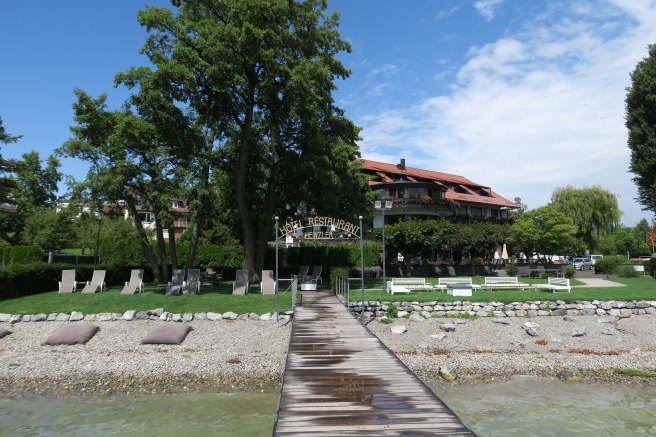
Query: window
177	204
463	210
495	213
138	202
165	233
476	211
381	195
400	193
146	217
504	213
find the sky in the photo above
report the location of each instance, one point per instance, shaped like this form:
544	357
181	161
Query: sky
521	96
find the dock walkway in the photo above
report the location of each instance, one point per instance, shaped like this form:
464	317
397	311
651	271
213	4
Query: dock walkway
340	380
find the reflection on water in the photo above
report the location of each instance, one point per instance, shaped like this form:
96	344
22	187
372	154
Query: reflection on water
244	414
521	407
545	407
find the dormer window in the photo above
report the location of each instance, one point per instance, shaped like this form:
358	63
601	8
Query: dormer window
177	204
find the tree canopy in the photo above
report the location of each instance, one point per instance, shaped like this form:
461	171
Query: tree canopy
258	76
593	210
7	167
640	115
544	231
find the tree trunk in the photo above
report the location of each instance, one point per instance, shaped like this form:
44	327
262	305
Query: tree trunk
269	205
172	252
145	243
240	195
200	215
161	247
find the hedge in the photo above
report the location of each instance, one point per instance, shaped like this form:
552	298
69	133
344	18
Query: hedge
40	277
25	254
339	255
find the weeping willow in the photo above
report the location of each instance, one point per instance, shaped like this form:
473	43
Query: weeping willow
594	210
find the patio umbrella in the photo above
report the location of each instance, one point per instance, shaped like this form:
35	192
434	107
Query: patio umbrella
504	253
496	254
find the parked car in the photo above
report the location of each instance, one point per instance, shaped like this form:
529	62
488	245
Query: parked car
594	258
582	263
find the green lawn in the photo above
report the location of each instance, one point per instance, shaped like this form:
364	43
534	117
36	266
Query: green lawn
218	300
635	289
221	300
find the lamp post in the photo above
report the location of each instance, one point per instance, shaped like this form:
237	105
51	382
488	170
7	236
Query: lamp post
380	207
100	217
362	267
277	309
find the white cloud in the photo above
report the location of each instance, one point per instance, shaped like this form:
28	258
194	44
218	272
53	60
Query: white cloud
444	14
378	89
533	111
487	8
387	70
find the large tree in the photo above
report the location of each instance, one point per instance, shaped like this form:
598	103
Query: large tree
641	123
259	76
592	209
37	185
7	167
544	231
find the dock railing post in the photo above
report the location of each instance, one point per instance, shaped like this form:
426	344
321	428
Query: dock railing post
362	267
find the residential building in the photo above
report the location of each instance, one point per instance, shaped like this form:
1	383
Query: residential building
417	193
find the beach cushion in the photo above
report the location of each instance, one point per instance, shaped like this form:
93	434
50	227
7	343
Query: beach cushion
4	332
167	333
72	334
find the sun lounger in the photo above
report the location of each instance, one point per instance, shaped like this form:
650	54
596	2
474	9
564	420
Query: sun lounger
67	284
268	284
315	276
192	286
97	280
176	283
240	286
302	273
136	281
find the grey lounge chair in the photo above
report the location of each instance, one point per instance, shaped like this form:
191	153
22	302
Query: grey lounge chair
240	286
268	284
192	286
67	284
136	281
97	280
176	283
315	276
302	273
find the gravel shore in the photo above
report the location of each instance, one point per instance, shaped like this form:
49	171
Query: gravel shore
250	355
215	356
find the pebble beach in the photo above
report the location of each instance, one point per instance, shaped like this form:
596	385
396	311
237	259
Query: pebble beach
248	355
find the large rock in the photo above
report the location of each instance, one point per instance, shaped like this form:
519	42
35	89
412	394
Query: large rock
398	329
129	315
230	316
39	317
187	317
447	327
62	317
5	317
214	316
579	332
415	317
440	336
501	321
76	316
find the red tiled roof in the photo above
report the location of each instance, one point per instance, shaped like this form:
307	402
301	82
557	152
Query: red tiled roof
386	172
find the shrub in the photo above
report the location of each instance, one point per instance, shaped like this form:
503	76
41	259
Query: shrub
569	272
627	272
608	264
392	311
25	255
512	270
338	271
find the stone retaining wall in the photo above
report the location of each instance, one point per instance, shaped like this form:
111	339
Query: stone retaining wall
516	309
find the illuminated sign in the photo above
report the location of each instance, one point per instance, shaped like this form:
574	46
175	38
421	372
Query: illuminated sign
332	226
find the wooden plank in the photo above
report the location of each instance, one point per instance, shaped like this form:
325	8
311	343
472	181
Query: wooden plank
341	380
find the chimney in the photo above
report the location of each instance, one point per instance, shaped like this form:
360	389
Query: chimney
401	166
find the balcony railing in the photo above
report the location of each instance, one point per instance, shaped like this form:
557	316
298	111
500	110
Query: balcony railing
473	218
439	207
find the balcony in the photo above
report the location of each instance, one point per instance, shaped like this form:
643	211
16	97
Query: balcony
473	218
441	208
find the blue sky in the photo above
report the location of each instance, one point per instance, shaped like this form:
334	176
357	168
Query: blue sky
522	96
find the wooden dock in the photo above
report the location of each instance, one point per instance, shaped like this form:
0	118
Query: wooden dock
340	380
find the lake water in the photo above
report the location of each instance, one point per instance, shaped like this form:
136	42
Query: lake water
521	407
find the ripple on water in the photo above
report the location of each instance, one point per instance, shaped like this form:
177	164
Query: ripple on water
192	415
542	407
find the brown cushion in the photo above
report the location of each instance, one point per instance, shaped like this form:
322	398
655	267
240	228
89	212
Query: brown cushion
167	333
4	332
72	334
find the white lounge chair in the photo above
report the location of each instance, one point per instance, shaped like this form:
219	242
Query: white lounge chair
67	285
268	284
192	285
240	286
177	280
97	280
136	281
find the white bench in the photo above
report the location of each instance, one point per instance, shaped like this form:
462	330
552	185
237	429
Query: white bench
443	283
503	282
406	285
557	285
